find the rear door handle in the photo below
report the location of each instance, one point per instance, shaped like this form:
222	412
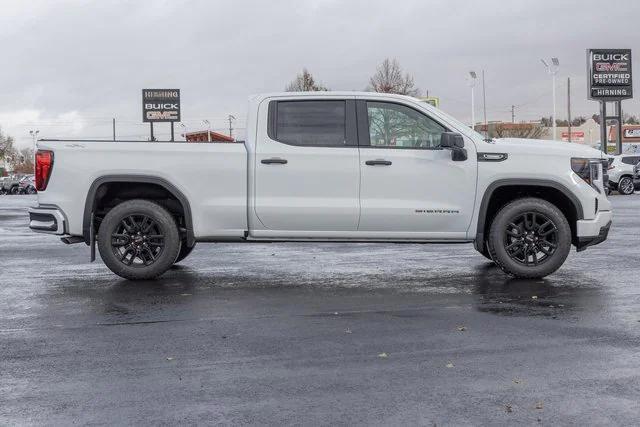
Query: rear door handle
377	162
274	160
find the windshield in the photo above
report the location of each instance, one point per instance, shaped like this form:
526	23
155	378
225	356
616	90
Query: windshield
463	128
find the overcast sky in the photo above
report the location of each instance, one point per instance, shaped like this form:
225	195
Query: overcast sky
68	67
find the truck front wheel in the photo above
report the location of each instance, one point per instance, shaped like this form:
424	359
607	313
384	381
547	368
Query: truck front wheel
184	251
138	240
529	238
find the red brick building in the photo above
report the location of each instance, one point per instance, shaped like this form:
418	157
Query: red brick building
201	136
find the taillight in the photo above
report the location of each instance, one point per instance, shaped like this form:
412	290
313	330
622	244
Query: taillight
44	166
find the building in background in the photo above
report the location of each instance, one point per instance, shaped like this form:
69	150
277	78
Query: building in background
201	136
630	137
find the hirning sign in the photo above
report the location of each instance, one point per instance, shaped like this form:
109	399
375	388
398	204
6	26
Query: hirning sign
160	105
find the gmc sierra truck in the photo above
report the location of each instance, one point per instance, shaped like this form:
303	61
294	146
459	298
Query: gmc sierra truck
326	167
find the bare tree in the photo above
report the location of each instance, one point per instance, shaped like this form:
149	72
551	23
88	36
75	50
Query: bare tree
305	83
7	149
23	161
390	79
517	130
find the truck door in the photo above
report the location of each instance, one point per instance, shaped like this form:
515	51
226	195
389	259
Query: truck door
409	186
307	173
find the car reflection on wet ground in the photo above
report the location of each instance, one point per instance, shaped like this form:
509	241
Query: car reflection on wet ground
326	333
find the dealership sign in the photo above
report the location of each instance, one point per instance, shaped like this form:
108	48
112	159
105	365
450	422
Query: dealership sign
160	105
609	74
577	136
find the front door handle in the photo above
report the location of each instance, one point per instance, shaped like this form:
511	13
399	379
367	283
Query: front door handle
377	162
274	160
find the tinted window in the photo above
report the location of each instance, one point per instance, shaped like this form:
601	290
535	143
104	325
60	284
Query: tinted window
311	122
631	160
394	125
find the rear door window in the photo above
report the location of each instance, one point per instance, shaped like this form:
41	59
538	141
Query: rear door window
311	123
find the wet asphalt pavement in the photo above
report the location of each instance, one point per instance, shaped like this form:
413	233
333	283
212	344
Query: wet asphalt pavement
318	334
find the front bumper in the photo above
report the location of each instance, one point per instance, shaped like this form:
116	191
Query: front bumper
47	220
593	231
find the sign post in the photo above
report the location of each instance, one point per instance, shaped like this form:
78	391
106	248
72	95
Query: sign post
610	80
160	105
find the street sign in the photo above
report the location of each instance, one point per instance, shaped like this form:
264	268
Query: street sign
433	100
160	105
610	77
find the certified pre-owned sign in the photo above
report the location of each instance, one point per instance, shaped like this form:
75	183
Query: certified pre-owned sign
609	74
160	105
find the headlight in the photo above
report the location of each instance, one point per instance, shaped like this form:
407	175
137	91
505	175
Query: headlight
589	170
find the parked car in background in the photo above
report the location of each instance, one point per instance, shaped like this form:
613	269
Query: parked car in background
621	173
10	185
27	185
636	175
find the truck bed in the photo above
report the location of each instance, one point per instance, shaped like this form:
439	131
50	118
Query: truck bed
212	176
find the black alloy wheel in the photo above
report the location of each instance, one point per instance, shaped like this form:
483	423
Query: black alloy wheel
531	238
138	241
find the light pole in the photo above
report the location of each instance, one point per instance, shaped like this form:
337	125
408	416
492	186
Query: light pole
472	79
552	69
34	136
207	123
184	129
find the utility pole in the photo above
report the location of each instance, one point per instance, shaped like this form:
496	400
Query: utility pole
231	119
513	114
114	128
207	123
569	105
484	102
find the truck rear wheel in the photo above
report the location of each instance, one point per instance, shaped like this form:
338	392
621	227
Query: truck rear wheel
529	238
138	240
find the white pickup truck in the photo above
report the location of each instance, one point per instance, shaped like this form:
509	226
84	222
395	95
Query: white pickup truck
326	167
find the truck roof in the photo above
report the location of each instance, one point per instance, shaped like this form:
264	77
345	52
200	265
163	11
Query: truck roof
259	97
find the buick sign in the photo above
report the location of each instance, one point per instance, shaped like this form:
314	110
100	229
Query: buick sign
609	74
160	105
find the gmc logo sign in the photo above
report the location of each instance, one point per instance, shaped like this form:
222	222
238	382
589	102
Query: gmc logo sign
162	116
609	66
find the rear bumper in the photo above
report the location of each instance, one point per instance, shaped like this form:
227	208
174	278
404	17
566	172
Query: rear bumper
592	232
47	220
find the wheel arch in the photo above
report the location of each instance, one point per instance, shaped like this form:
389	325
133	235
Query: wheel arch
103	181
504	191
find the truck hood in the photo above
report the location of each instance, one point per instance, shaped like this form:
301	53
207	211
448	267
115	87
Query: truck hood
558	147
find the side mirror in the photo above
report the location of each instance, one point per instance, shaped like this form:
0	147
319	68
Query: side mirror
454	142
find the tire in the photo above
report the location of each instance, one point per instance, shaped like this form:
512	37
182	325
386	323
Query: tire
14	190
485	251
524	226
127	246
625	186
184	251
